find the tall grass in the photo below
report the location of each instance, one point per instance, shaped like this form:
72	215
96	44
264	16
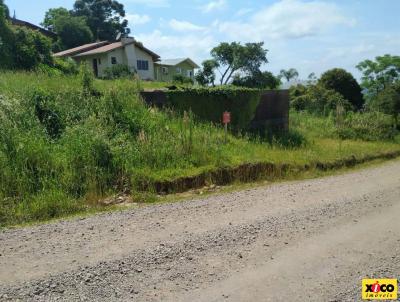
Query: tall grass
62	148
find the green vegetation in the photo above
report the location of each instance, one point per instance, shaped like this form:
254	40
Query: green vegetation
66	142
343	82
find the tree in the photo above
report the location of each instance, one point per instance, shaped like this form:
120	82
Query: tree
51	17
289	74
104	17
344	83
206	76
233	57
6	11
257	79
72	31
388	101
379	74
317	99
31	48
6	41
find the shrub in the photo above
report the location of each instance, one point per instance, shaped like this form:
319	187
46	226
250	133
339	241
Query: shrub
317	99
181	79
343	82
258	79
388	101
370	126
117	71
67	66
31	48
210	103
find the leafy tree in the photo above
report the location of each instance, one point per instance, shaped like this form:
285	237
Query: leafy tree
31	48
6	11
72	31
257	79
344	83
233	57
206	76
51	17
104	17
6	41
289	74
388	101
317	99
379	74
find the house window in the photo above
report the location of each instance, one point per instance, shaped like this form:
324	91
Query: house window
142	65
178	70
190	73
113	60
164	70
99	61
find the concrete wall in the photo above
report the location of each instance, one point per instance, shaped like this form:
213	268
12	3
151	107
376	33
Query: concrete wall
272	111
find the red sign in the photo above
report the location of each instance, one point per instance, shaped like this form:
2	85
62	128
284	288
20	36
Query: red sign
226	117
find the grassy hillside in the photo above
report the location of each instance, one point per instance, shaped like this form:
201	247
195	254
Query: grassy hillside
62	147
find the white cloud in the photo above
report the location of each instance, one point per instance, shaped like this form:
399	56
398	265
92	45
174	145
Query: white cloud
184	26
196	46
135	19
151	3
243	11
288	19
213	6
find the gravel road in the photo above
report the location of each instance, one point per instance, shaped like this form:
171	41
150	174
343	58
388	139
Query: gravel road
311	240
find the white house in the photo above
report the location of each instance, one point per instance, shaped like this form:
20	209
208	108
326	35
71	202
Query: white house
127	51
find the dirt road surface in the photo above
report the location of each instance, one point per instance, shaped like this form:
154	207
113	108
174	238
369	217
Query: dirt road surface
311	240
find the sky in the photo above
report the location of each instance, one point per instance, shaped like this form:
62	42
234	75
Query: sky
309	35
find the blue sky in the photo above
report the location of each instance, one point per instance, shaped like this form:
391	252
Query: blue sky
311	36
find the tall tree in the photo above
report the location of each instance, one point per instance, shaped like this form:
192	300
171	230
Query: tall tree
206	76
6	41
104	17
6	11
388	101
344	83
232	57
72	31
289	74
52	15
379	74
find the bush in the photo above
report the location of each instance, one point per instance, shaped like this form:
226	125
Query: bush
67	66
117	71
388	102
370	126
31	48
317	99
261	80
210	103
181	79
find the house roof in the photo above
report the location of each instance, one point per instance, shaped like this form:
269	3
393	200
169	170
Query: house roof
43	31
174	62
116	45
80	49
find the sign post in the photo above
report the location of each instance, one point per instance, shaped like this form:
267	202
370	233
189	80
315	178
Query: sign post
226	119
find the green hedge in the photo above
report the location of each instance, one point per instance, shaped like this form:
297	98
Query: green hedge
210	103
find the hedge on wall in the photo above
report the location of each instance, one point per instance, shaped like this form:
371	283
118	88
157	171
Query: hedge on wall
210	103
